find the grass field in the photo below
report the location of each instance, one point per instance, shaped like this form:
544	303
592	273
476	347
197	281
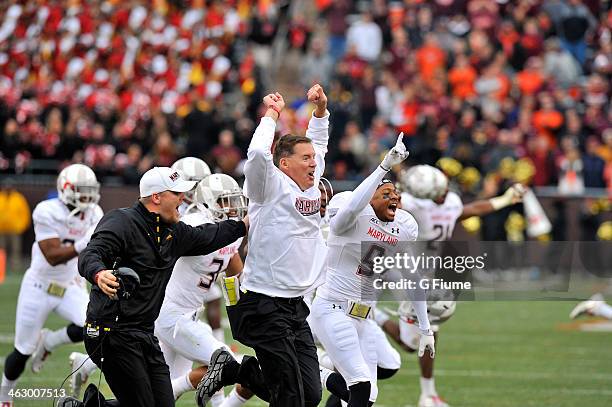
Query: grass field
490	354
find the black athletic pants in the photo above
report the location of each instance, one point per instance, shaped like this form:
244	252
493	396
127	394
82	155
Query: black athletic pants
134	367
277	330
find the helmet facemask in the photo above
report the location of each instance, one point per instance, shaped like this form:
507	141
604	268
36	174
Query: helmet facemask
231	205
78	188
222	196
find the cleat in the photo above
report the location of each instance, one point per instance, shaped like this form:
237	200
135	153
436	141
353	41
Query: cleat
587	307
69	402
40	354
79	377
212	380
431	401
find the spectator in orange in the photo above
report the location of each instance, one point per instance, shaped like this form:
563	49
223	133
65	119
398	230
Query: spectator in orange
430	58
461	78
531	79
547	121
508	37
406	114
15	218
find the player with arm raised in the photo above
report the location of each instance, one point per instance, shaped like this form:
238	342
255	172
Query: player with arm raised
437	210
340	314
62	228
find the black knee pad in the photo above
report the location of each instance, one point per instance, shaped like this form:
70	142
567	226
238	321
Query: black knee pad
359	394
385	373
75	333
15	364
337	387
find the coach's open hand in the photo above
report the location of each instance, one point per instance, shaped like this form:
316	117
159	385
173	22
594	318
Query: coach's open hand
107	282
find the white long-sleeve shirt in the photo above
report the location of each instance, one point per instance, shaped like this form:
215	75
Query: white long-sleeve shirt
353	222
286	254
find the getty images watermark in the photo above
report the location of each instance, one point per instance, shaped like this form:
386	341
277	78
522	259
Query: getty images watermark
481	270
417	266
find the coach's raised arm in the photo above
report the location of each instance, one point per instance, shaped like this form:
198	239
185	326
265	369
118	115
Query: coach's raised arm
286	258
149	239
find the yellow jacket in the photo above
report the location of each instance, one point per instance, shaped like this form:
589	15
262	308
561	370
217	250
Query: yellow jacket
15	215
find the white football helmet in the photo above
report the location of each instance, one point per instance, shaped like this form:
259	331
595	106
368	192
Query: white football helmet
438	310
78	187
191	169
222	196
424	182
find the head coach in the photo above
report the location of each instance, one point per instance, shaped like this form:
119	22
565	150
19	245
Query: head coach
149	239
285	260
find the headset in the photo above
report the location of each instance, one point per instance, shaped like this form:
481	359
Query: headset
129	282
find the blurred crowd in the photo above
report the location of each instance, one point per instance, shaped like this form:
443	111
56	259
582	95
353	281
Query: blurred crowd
475	85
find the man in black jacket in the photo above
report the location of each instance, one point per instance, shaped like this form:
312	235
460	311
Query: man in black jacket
149	239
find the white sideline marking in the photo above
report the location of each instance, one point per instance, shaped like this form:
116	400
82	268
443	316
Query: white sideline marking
598	327
505	374
7	339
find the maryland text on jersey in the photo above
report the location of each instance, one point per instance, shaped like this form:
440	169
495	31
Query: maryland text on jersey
383	237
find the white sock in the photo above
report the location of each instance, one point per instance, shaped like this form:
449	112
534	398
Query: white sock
234	400
428	386
6	386
219	334
181	385
217	399
56	338
603	310
89	367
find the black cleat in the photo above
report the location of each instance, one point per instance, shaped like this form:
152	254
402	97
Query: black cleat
212	380
69	402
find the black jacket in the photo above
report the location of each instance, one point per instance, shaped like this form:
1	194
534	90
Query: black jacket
141	241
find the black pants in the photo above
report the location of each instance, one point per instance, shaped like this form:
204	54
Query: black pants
277	330
134	367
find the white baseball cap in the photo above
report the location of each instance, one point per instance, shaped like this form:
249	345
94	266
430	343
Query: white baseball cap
160	179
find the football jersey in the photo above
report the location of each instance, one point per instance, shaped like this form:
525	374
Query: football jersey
193	276
51	219
344	259
436	222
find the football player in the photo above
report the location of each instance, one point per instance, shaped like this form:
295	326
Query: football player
195	169
191	169
62	228
436	210
594	306
340	314
183	337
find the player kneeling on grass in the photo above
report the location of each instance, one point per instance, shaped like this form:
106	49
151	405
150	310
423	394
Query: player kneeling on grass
62	228
341	317
594	306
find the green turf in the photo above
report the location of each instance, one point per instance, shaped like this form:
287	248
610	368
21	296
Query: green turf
490	354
